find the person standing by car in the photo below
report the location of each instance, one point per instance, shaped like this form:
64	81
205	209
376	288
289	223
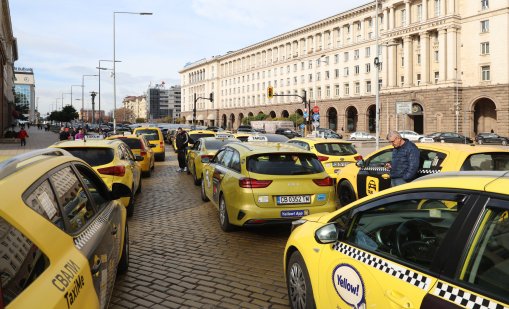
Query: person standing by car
182	140
405	159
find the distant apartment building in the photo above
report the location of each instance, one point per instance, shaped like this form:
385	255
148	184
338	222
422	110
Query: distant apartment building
137	105
440	67
163	102
8	55
24	88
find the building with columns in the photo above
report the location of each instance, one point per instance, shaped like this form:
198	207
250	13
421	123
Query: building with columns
440	68
138	105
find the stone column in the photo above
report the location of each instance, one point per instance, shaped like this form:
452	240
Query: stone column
443	11
385	24
408	52
451	7
451	52
442	54
392	66
408	13
392	23
425	58
424	10
385	66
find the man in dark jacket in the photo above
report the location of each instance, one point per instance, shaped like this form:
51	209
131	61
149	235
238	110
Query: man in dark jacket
405	159
181	140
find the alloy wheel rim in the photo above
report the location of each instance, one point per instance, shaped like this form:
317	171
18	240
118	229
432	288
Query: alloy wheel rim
297	285
222	211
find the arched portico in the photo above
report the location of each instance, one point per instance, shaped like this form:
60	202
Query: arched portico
485	116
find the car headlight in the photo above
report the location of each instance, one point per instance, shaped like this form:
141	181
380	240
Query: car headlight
297	223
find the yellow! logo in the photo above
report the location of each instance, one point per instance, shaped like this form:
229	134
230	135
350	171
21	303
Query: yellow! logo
372	185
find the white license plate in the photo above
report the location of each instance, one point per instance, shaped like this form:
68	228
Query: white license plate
339	164
293	199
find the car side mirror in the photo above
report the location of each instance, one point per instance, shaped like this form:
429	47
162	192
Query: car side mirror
138	158
328	234
119	190
360	163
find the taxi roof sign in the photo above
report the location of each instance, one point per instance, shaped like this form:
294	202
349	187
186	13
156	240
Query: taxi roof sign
93	136
223	136
257	138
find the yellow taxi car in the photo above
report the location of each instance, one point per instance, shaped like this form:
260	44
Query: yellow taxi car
242	136
155	137
140	146
114	162
258	183
204	149
370	175
194	135
441	241
63	233
333	153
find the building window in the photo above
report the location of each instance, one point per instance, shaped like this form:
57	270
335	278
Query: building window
356	54
437	8
302	65
356	69
485	26
295	67
418	79
318	76
345	56
310	64
346	89
485	48
345	71
435	55
419	12
336	90
402	80
436	77
311	93
336	58
368	86
485	73
357	88
485	4
367	51
368	67
379	84
327	92
327	75
302	79
403	17
318	93
418	58
336	73
310	77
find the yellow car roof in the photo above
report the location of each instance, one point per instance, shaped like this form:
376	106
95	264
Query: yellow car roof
316	140
88	143
267	147
464	149
200	132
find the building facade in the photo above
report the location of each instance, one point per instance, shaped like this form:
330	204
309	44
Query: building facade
8	55
138	106
24	88
439	67
163	103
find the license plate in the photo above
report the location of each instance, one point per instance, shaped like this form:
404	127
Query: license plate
293	199
294	213
339	164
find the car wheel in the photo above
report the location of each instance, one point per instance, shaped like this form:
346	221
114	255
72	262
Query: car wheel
504	143
345	194
223	216
300	291
442	141
202	191
130	206
123	264
480	142
196	180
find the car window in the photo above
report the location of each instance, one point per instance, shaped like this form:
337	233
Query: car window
43	201
486	162
219	156
196	146
150	134
379	159
284	164
235	161
95	186
217	144
227	158
335	149
21	264
408	231
77	209
133	143
431	160
93	156
196	136
127	153
486	266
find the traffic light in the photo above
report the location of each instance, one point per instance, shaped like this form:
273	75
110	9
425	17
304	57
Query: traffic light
211	97
270	92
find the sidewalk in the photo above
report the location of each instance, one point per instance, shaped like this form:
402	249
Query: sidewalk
37	139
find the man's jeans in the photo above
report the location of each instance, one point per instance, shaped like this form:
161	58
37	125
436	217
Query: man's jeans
397	181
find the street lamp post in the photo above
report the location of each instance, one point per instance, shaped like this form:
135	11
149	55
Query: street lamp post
83	93
377	77
99	68
114	66
93	94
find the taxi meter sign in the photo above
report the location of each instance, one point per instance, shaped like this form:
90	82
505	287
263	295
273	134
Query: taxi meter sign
316	109
257	138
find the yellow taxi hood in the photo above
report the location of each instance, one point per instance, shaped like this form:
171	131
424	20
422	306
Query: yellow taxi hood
316	217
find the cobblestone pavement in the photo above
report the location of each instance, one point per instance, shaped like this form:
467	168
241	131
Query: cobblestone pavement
180	257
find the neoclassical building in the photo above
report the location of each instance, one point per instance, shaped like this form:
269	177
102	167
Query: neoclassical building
443	65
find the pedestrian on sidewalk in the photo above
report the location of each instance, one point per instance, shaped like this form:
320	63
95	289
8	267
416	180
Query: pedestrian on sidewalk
182	141
22	135
79	135
64	134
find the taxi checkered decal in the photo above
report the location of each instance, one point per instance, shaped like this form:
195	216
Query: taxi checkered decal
92	229
428	171
376	169
392	269
464	298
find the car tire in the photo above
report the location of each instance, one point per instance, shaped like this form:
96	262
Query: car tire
195	179
202	192
123	264
300	292
345	193
480	142
223	215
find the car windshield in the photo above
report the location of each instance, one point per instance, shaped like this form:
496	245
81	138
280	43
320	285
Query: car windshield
93	156
151	135
275	138
194	137
133	143
284	164
496	161
335	149
217	144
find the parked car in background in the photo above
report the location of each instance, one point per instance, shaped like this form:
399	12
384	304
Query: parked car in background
140	146
450	137
288	132
411	135
328	133
491	138
245	128
359	135
155	137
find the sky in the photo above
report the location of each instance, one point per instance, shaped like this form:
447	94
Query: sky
62	40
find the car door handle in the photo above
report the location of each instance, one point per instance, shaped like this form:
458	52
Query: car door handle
114	230
398	299
386	176
96	267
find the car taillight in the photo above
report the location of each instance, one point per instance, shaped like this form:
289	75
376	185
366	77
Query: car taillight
161	144
143	152
253	183
118	170
327	181
323	158
357	158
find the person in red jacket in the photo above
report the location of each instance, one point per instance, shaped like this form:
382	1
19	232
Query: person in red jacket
22	135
